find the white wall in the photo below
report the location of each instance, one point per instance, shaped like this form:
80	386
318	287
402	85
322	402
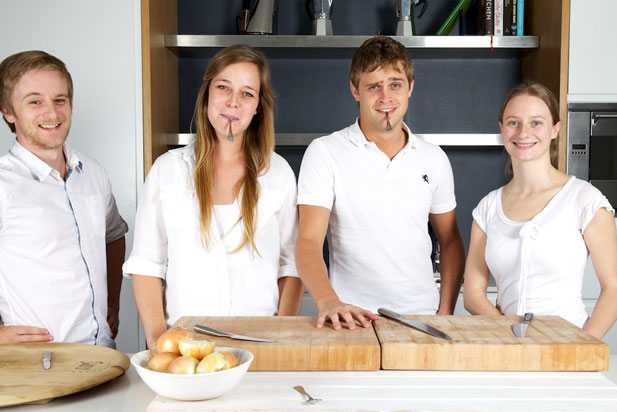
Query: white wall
100	42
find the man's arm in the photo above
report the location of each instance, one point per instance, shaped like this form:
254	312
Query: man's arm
291	290
452	259
115	258
313	224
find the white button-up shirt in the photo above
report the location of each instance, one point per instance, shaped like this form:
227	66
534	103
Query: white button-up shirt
538	265
378	233
213	282
53	235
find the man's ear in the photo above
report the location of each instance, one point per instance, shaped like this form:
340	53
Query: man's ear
354	91
411	87
8	115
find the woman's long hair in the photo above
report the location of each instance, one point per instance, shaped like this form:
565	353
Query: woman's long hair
258	144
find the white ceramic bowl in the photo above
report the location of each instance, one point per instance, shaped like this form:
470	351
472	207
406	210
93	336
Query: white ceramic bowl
193	387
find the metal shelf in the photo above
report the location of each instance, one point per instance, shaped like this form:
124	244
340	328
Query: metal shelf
305	46
303	139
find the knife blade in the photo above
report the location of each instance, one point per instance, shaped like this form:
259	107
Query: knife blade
520	329
47	360
416	324
221	333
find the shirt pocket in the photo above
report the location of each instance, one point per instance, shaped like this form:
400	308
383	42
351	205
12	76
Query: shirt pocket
180	214
269	204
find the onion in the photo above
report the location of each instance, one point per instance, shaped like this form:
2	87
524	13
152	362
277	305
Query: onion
183	365
160	362
168	341
233	361
212	363
198	349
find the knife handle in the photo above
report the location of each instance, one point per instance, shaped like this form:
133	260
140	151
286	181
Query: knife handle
528	317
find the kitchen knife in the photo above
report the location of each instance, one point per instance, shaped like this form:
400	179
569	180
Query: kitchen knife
221	333
47	360
421	326
520	329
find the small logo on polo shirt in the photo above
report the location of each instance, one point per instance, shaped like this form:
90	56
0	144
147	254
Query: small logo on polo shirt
425	178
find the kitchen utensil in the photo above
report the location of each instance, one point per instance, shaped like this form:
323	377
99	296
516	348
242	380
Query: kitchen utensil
76	367
47	360
263	20
300	345
242	20
520	329
310	400
215	332
486	343
193	387
320	11
421	326
405	11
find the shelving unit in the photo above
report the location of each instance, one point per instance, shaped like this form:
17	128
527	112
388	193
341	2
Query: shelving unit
543	58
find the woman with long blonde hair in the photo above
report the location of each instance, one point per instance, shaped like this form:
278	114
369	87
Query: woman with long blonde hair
534	234
216	222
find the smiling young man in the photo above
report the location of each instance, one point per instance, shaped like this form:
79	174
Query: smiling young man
372	188
61	236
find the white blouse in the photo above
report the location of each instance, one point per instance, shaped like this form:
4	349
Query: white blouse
538	265
214	282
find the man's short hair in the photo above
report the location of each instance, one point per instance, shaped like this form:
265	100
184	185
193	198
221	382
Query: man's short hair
16	65
380	51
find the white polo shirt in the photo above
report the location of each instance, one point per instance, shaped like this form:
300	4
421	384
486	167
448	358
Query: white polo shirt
378	232
53	235
213	282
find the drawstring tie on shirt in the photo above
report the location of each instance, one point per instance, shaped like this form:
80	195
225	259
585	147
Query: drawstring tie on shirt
529	232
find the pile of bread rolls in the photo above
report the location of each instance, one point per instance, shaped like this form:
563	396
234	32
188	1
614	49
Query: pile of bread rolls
180	352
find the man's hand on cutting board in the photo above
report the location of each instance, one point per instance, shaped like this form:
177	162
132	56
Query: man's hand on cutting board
19	334
334	310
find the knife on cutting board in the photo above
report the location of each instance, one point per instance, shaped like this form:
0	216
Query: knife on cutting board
221	333
520	329
416	324
47	360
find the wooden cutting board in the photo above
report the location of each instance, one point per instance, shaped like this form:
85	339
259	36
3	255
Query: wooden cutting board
74	368
486	343
300	346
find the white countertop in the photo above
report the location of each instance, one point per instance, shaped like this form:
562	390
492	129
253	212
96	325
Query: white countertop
380	390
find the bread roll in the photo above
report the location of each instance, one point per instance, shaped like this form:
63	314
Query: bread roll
168	341
160	362
198	349
212	363
183	365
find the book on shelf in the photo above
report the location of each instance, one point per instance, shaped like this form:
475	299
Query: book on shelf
498	17
501	17
520	17
507	17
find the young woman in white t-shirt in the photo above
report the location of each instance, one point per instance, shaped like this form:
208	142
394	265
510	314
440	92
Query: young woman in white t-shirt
535	233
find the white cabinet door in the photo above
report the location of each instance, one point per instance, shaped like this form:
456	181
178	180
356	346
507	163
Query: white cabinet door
593	51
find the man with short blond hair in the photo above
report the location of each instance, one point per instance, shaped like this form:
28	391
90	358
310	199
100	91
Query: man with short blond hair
61	236
373	187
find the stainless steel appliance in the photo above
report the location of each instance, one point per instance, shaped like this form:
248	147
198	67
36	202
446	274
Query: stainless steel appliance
405	11
592	145
319	11
263	19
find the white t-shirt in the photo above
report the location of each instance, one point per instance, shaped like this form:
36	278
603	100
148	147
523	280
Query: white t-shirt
214	282
378	232
538	265
53	235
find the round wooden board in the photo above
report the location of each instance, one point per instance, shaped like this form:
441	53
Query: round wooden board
74	368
